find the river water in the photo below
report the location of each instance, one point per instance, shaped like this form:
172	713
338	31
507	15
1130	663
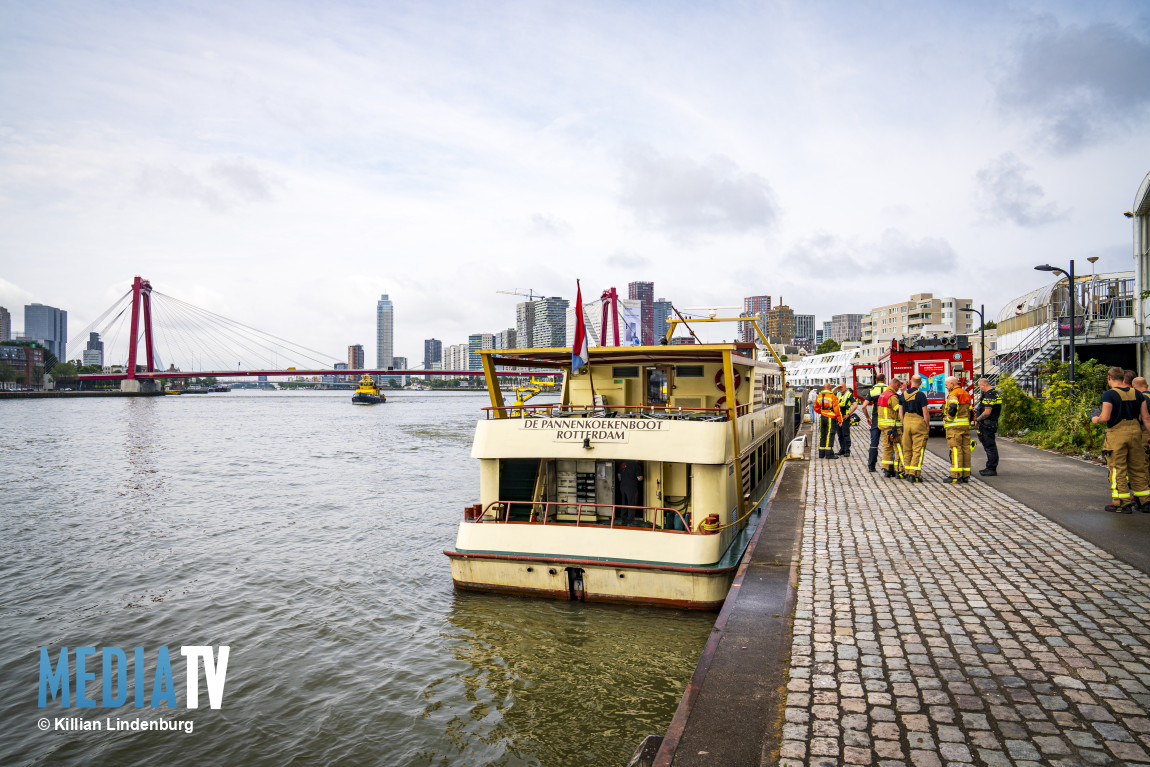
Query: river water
306	534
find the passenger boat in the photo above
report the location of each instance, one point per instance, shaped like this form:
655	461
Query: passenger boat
367	393
551	521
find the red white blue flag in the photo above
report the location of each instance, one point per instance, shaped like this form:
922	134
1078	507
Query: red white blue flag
582	341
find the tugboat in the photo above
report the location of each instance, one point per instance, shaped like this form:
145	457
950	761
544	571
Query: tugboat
367	393
642	485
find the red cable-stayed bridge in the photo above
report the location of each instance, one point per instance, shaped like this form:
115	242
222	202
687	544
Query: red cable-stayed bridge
169	328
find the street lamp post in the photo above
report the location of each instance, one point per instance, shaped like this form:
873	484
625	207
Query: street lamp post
1073	304
981	312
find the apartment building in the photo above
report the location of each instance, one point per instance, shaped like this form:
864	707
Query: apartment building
915	316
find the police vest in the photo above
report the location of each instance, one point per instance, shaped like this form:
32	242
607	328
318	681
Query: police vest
956	413
845	401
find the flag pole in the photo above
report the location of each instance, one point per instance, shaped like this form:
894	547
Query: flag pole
587	338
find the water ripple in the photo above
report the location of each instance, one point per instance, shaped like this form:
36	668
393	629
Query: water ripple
306	534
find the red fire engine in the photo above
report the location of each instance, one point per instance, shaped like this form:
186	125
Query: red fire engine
933	358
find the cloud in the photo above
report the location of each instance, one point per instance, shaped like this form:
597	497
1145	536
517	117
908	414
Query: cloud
239	176
628	260
224	184
686	197
893	253
1081	83
1005	194
549	226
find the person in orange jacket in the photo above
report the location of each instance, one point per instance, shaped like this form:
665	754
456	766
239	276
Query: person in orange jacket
827	410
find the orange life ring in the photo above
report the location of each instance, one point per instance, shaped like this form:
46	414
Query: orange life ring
719	380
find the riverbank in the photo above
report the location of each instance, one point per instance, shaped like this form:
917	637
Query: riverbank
75	394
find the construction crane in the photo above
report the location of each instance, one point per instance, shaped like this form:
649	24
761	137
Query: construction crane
531	294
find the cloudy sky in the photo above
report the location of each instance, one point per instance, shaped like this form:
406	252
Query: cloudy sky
285	163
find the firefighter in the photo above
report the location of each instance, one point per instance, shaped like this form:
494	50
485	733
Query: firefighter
871	401
912	411
986	414
826	406
847	407
1121	411
956	424
886	413
1139	385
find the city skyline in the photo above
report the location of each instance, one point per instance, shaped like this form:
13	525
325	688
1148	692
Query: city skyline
727	146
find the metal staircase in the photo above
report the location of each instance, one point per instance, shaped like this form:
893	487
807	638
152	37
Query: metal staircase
1040	345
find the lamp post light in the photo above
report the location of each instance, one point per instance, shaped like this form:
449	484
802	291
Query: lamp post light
981	312
1073	304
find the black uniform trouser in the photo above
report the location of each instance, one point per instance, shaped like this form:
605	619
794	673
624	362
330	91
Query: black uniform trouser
845	436
986	435
828	427
629	497
875	438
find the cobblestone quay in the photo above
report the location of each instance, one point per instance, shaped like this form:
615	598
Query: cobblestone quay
943	624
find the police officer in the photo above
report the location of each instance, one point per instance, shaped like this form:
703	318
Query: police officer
886	413
826	406
870	411
1121	412
913	411
847	407
956	424
986	413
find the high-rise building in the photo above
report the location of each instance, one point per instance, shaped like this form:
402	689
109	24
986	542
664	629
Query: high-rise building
475	342
508	339
5	325
455	357
399	363
644	293
432	352
805	330
355	357
94	351
846	327
781	324
757	307
49	325
819	337
662	310
542	324
384	332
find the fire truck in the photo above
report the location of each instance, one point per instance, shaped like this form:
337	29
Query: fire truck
932	357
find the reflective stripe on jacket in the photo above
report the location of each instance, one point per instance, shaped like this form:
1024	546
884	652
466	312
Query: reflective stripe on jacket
956	411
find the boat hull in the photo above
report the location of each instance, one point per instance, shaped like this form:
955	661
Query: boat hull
366	399
699	588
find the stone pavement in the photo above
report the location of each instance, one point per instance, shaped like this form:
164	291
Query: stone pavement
943	624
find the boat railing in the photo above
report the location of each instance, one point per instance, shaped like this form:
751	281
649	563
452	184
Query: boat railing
664	412
549	512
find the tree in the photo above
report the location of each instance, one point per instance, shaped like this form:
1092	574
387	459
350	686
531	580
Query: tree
63	370
829	345
990	326
7	373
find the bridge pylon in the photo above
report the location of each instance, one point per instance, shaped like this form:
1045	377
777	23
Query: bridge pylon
141	305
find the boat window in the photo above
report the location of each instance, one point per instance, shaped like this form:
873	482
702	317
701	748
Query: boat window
657	386
625	371
689	371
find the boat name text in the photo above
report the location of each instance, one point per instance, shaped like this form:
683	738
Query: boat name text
596	429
